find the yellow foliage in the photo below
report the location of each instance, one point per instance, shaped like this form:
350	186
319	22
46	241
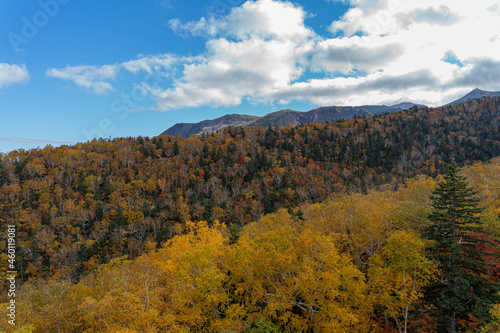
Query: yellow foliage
494	325
399	274
297	278
323	271
361	222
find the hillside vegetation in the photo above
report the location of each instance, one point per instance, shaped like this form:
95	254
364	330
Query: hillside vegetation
76	207
159	234
354	263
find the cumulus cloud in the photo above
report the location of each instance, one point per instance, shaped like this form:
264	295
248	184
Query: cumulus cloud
453	40
379	51
13	74
345	55
480	72
232	71
375	88
262	18
92	78
96	79
393	50
431	15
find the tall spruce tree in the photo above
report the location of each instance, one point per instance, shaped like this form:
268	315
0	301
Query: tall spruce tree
462	288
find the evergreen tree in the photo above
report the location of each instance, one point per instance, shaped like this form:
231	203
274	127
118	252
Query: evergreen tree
462	288
176	148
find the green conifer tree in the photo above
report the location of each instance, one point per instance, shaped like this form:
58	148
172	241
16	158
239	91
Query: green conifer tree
462	288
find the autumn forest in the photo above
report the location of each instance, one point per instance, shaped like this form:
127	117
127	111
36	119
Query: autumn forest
324	227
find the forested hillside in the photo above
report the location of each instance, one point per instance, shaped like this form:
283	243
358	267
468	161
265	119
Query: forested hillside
353	263
79	206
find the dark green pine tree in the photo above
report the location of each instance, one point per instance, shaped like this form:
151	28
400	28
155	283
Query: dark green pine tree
462	288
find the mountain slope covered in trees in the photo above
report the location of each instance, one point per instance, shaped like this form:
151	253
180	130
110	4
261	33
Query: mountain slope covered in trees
79	206
353	263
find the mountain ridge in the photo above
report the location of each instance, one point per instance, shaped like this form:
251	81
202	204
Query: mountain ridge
283	117
291	117
476	93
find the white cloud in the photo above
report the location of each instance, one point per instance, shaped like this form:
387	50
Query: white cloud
375	88
432	15
270	40
401	46
426	51
428	31
92	78
347	54
150	64
232	71
95	78
13	74
480	72
262	18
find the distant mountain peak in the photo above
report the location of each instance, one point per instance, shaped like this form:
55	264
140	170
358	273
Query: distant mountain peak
475	93
481	92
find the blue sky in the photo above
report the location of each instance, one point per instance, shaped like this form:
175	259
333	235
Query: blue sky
72	70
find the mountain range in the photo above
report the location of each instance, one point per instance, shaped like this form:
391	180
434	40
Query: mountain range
291	117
